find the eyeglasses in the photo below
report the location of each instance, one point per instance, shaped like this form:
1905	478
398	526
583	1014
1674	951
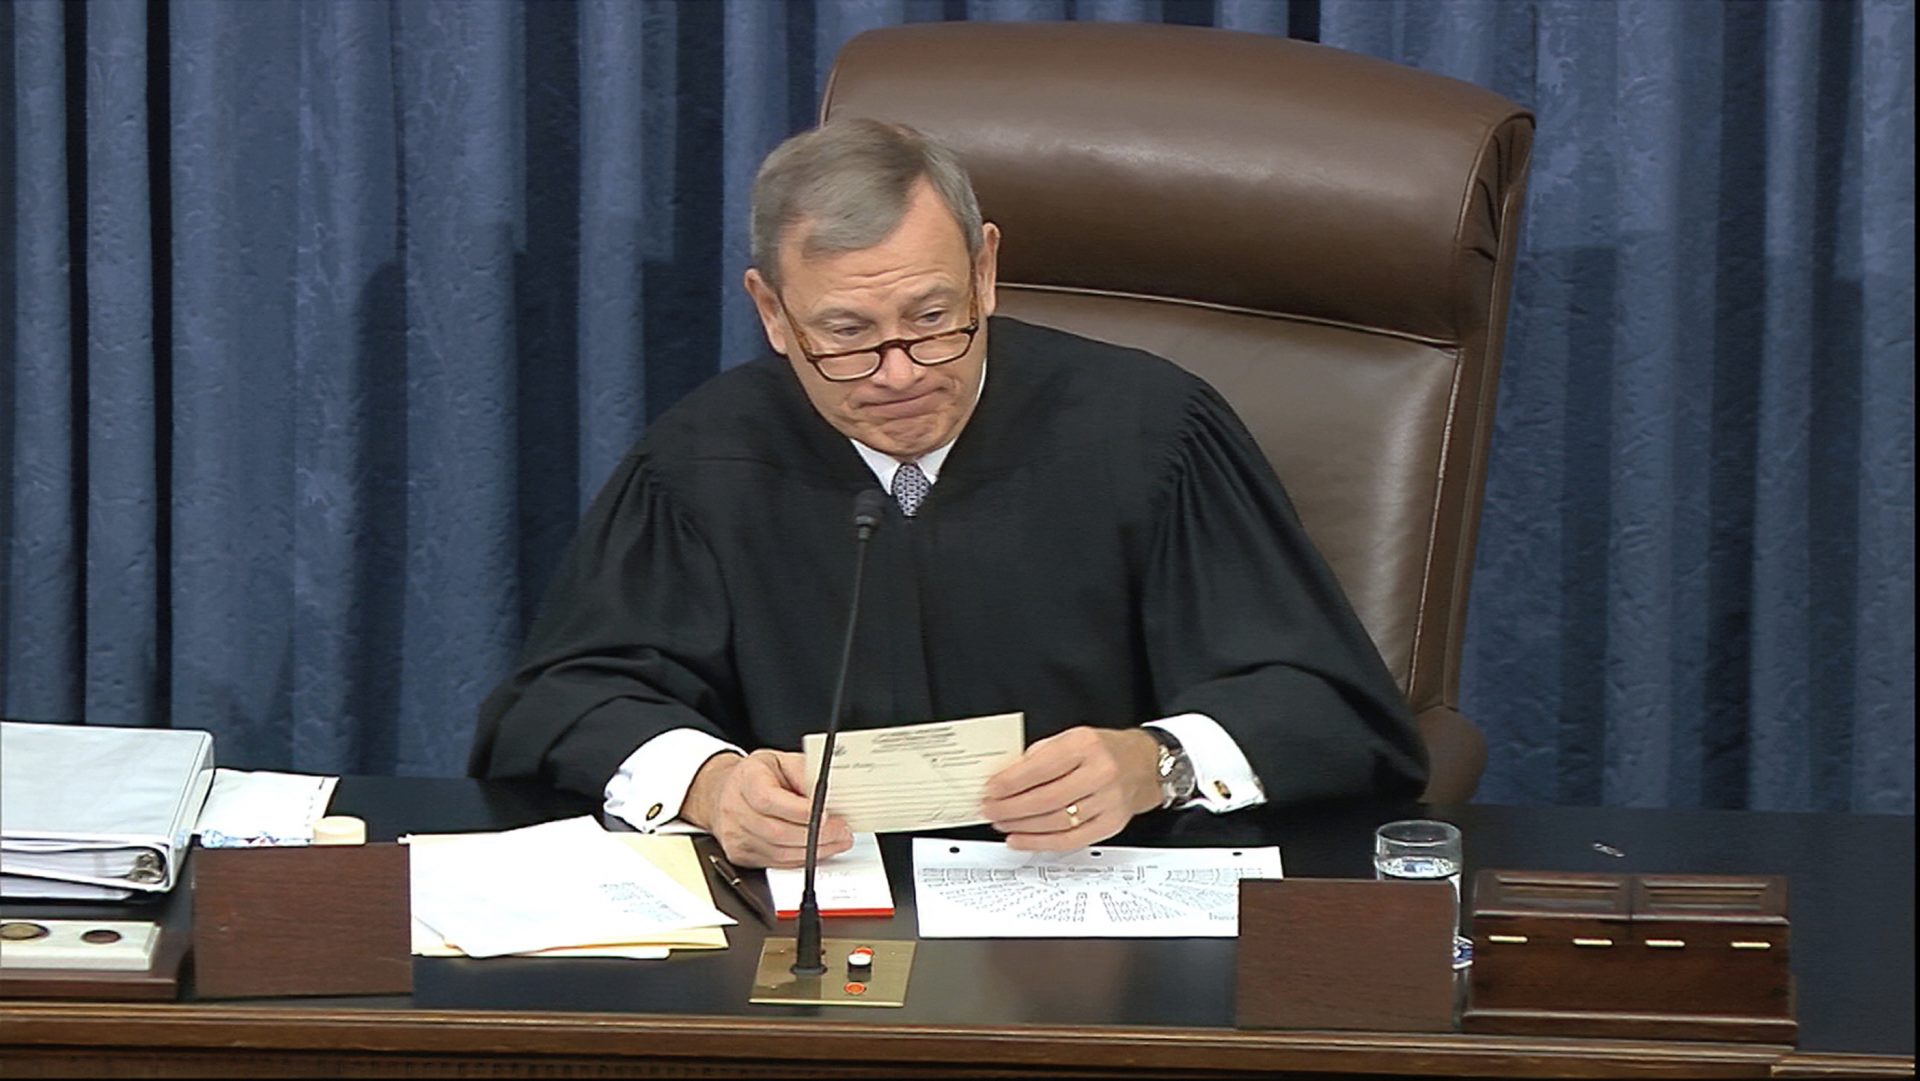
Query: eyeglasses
857	364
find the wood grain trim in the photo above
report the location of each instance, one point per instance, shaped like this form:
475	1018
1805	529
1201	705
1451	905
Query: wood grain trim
1817	1064
474	1036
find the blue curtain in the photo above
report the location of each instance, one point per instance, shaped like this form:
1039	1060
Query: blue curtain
320	322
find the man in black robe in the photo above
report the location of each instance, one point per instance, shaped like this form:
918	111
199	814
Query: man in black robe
1081	533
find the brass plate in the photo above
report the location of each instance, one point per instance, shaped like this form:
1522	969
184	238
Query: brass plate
884	984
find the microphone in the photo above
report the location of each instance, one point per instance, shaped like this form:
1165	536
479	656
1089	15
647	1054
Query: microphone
808	959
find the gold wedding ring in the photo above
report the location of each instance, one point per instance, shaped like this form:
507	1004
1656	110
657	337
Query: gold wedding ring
1073	816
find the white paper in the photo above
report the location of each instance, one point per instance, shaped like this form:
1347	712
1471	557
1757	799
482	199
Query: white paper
983	889
427	943
916	776
260	807
565	883
853	883
57	889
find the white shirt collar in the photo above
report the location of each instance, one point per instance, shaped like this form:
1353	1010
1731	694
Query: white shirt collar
884	466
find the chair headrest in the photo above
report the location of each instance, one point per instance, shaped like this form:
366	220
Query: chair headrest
1211	166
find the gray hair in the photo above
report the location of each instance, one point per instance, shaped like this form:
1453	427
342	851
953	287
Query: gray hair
848	182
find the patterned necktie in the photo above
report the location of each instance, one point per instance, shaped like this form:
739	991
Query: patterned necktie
910	486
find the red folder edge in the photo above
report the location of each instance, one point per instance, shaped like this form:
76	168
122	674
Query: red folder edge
868	913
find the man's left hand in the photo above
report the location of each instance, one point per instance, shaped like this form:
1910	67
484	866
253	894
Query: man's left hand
1074	789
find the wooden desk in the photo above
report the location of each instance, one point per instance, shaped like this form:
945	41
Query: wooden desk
1024	1007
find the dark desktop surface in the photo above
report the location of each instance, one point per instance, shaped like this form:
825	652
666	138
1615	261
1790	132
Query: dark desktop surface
1850	882
1850	900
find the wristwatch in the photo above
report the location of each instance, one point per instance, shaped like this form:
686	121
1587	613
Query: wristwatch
1177	782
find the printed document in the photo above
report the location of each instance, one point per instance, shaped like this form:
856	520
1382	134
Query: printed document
565	883
853	883
917	776
983	889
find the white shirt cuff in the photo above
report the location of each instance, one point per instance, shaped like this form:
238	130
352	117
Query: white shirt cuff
648	788
1226	781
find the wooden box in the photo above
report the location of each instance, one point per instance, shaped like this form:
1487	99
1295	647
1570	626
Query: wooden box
1331	953
319	920
1633	956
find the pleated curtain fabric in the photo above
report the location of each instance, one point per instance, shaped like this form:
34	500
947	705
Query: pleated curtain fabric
320	323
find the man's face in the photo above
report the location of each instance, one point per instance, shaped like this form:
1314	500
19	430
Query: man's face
916	282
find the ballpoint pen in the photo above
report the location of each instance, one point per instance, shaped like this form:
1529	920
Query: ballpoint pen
731	878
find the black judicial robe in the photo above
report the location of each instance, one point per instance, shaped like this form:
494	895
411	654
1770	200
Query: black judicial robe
1106	545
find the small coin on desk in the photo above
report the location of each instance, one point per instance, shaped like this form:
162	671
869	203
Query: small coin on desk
79	945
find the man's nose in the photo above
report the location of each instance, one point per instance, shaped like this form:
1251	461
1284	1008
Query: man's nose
896	367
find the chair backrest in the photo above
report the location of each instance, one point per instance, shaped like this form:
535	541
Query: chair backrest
1325	237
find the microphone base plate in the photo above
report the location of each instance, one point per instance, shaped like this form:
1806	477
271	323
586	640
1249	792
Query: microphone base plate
883	983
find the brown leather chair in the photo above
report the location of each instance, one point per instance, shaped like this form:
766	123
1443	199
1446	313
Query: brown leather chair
1325	237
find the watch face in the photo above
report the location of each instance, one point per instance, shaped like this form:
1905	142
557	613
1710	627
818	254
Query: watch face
1180	779
1177	781
1186	782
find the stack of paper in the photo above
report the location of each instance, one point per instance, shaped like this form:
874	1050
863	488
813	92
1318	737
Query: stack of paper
853	883
560	889
95	813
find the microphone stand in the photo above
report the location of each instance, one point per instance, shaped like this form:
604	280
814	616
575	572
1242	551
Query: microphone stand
807	955
795	972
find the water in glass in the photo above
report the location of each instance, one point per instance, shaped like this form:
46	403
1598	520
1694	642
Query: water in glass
1418	867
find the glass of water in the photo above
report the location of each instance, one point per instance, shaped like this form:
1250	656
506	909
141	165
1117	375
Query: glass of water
1423	849
1418	848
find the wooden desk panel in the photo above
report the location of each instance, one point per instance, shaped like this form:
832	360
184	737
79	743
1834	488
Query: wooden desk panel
1024	1007
149	1040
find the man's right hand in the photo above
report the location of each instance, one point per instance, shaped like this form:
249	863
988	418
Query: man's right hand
756	807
